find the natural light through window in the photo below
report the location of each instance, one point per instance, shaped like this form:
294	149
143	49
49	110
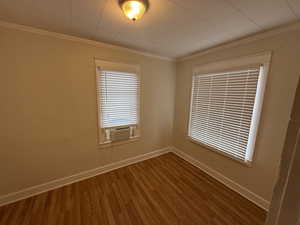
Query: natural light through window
225	108
119	98
118	88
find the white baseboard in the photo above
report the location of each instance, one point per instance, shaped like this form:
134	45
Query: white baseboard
256	199
38	189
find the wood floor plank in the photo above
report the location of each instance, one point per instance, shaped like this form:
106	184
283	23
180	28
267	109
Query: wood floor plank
165	190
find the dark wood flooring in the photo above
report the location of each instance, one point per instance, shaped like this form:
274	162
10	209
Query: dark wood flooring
162	190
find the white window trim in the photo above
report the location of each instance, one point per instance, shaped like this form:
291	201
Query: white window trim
262	59
122	67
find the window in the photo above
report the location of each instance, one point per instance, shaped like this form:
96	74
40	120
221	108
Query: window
225	109
118	100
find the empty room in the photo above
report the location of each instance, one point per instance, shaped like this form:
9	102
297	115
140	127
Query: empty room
150	112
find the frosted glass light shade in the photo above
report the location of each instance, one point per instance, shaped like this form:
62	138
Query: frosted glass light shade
133	9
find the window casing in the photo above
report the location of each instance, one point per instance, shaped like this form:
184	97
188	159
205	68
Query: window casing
118	99
226	103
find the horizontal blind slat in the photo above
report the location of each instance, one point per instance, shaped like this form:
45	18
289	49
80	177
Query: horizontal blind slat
221	110
118	96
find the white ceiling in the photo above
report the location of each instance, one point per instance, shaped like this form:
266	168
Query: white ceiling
170	28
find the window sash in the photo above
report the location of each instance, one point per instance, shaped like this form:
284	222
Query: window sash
220	118
118	98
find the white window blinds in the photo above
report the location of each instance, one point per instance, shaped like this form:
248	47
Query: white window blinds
223	111
118	95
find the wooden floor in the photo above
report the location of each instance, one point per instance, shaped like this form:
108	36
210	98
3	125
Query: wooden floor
162	190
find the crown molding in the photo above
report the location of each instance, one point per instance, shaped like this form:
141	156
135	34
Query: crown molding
226	45
243	40
39	31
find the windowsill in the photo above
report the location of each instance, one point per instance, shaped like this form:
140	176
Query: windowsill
244	163
112	144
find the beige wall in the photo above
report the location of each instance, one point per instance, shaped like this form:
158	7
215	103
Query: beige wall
48	108
285	205
281	86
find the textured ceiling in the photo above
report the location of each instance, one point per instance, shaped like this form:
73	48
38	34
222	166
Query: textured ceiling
170	28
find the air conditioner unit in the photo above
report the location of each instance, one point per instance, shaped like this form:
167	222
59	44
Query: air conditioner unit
119	134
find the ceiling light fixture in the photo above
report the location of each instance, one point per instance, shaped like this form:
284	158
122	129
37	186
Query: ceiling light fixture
134	9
